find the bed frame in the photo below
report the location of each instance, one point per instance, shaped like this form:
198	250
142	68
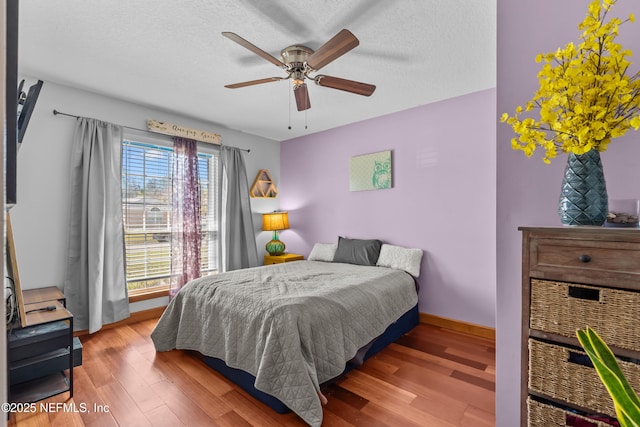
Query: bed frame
245	380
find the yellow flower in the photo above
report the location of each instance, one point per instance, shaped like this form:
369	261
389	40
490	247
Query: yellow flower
585	98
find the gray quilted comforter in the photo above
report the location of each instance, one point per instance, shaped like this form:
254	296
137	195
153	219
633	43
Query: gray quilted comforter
293	326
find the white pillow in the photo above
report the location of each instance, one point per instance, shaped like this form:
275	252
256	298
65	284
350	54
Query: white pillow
323	252
400	258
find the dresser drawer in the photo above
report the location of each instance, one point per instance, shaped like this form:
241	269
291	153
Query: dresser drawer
566	374
543	415
596	260
562	308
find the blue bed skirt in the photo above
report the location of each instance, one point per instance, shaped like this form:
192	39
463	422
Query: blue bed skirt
245	380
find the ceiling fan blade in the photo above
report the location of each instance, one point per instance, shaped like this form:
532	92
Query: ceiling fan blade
254	82
302	97
340	44
253	48
352	86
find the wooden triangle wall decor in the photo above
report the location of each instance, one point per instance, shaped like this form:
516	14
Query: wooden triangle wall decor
263	185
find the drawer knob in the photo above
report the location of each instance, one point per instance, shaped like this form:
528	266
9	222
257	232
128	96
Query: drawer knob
585	258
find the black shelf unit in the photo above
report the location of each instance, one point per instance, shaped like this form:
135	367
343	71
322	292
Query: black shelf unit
40	355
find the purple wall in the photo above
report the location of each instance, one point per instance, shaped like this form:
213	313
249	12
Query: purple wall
442	201
527	189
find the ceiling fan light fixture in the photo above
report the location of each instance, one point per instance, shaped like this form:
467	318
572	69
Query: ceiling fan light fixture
297	78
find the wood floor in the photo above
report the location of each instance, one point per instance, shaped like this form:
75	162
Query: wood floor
430	377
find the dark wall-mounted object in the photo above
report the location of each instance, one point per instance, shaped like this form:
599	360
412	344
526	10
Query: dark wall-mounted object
16	101
11	83
26	104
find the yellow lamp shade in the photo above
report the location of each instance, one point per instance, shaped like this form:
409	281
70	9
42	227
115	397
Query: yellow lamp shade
275	221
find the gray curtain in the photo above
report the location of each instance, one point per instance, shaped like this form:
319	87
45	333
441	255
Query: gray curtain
95	284
238	247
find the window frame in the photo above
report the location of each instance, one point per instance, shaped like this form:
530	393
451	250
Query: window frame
165	141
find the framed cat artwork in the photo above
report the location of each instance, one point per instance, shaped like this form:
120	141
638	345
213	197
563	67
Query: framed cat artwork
370	171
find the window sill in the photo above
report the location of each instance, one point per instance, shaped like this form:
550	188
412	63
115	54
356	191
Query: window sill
145	294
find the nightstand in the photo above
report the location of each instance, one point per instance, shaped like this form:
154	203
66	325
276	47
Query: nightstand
39	353
279	259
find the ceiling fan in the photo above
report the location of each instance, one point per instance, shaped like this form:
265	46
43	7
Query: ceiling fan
299	62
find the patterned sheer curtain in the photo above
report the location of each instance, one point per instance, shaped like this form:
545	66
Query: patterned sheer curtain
185	215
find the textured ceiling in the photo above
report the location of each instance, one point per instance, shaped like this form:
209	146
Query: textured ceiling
170	54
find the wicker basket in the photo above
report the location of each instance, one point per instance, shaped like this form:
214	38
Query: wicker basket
555	371
541	415
562	308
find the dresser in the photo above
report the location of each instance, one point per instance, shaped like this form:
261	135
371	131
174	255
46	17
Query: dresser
573	277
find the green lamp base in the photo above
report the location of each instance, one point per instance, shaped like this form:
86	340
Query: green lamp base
275	247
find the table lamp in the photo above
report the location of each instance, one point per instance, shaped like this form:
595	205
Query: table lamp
275	221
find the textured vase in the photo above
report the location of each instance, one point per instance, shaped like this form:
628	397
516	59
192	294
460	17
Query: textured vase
583	198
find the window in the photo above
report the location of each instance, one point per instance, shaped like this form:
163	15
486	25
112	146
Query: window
146	207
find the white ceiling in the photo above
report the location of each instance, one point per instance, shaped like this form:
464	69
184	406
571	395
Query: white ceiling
170	54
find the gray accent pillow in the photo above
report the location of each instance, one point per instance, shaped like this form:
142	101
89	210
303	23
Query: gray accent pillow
357	251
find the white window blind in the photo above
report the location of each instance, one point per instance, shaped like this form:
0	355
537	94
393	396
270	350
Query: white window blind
146	207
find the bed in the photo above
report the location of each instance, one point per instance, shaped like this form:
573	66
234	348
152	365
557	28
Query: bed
282	331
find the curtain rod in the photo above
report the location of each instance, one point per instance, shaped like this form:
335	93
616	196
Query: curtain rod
56	112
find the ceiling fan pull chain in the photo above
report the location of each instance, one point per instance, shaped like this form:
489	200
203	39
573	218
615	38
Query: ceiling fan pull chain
289	95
